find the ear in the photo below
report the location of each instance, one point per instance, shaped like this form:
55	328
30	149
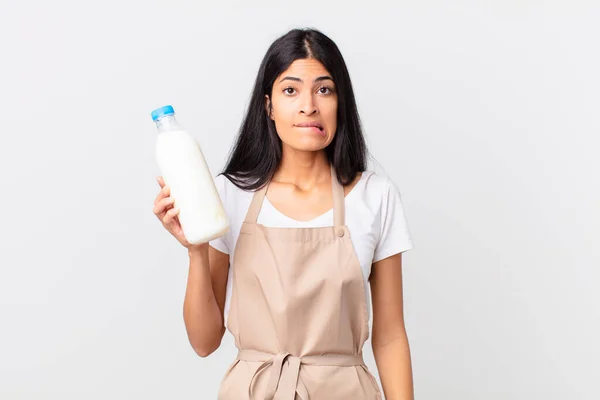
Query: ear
268	106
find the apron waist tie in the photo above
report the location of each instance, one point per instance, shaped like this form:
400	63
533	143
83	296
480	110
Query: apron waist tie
285	373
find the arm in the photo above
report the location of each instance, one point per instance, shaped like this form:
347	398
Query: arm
205	299
389	339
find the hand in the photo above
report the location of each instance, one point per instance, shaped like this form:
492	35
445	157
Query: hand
167	213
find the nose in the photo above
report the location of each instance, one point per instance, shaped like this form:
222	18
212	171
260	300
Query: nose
308	105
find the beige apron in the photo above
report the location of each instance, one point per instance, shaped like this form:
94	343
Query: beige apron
298	312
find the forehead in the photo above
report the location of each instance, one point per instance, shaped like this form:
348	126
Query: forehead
305	69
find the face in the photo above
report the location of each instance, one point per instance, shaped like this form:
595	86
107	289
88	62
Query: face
304	95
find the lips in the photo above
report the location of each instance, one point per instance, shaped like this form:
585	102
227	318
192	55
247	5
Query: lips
310	124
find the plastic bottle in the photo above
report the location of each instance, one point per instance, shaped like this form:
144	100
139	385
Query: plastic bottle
184	170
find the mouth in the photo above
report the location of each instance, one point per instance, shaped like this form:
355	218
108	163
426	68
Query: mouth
313	126
313	129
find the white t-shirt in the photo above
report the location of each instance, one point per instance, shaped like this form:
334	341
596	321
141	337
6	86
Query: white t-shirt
374	216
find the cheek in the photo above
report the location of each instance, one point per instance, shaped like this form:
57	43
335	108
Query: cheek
284	120
329	115
283	111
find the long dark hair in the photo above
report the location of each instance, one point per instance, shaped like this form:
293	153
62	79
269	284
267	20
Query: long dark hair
256	154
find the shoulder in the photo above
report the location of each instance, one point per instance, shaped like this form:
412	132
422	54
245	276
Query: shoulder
393	234
227	189
371	197
376	187
235	200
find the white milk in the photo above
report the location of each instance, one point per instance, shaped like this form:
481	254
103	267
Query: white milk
185	171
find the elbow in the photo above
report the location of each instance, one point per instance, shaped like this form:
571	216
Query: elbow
206	348
203	352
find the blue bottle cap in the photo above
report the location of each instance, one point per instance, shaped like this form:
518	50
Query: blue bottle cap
161	112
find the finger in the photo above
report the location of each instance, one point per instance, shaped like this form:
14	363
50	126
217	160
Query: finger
164	192
168	218
160	181
162	205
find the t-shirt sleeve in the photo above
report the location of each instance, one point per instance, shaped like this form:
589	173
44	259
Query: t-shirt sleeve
221	243
394	235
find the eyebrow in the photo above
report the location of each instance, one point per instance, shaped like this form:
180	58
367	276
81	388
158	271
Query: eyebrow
319	79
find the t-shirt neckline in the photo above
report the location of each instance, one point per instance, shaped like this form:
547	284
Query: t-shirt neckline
349	196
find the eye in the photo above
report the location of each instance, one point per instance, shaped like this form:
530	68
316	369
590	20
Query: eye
287	90
325	90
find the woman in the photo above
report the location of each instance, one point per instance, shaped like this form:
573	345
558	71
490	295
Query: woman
311	229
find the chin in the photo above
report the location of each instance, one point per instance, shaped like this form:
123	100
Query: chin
312	144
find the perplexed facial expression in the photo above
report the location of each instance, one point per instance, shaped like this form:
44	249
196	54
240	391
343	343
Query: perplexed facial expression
303	106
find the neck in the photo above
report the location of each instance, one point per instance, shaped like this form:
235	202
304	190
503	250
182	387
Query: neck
303	169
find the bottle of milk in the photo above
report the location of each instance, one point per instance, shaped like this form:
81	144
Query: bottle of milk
185	171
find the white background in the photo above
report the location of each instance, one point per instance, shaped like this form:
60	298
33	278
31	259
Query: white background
485	114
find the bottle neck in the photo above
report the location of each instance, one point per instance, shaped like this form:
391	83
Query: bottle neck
167	123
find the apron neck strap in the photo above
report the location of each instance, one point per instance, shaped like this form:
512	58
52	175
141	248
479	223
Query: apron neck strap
338	202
